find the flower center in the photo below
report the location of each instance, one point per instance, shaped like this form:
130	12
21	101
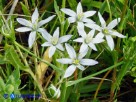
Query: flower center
54	40
35	27
80	16
76	61
88	39
105	31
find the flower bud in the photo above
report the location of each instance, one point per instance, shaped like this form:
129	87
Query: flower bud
53	92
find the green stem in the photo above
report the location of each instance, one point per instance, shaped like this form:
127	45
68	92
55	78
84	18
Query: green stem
35	61
92	75
38	85
24	59
30	72
109	9
63	18
63	92
113	86
46	62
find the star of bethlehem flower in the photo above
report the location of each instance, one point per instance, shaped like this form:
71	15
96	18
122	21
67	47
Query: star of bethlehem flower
54	41
75	61
106	31
87	40
79	15
33	26
54	92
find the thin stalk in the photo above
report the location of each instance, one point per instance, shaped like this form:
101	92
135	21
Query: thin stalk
46	62
113	86
21	55
35	61
109	9
12	9
4	21
38	85
100	84
95	74
75	74
63	17
15	15
52	28
31	73
49	80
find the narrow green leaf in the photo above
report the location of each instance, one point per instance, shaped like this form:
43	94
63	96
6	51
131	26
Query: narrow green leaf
73	4
2	59
14	80
13	58
57	10
25	9
91	76
2	84
90	3
66	25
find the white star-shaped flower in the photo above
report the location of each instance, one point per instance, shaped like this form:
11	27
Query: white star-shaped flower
87	40
79	15
75	61
54	41
106	31
33	26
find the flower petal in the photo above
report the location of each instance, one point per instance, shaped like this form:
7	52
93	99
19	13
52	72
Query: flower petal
82	54
93	26
60	47
42	22
24	22
79	40
88	20
23	29
82	32
31	38
80	67
91	33
64	38
97	40
88	62
71	51
46	44
41	30
52	50
69	71
79	8
56	33
72	19
89	13
113	23
65	61
45	34
102	21
83	48
80	25
117	34
110	41
68	12
35	15
99	35
91	45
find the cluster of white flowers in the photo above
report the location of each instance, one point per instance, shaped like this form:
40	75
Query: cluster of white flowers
88	40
